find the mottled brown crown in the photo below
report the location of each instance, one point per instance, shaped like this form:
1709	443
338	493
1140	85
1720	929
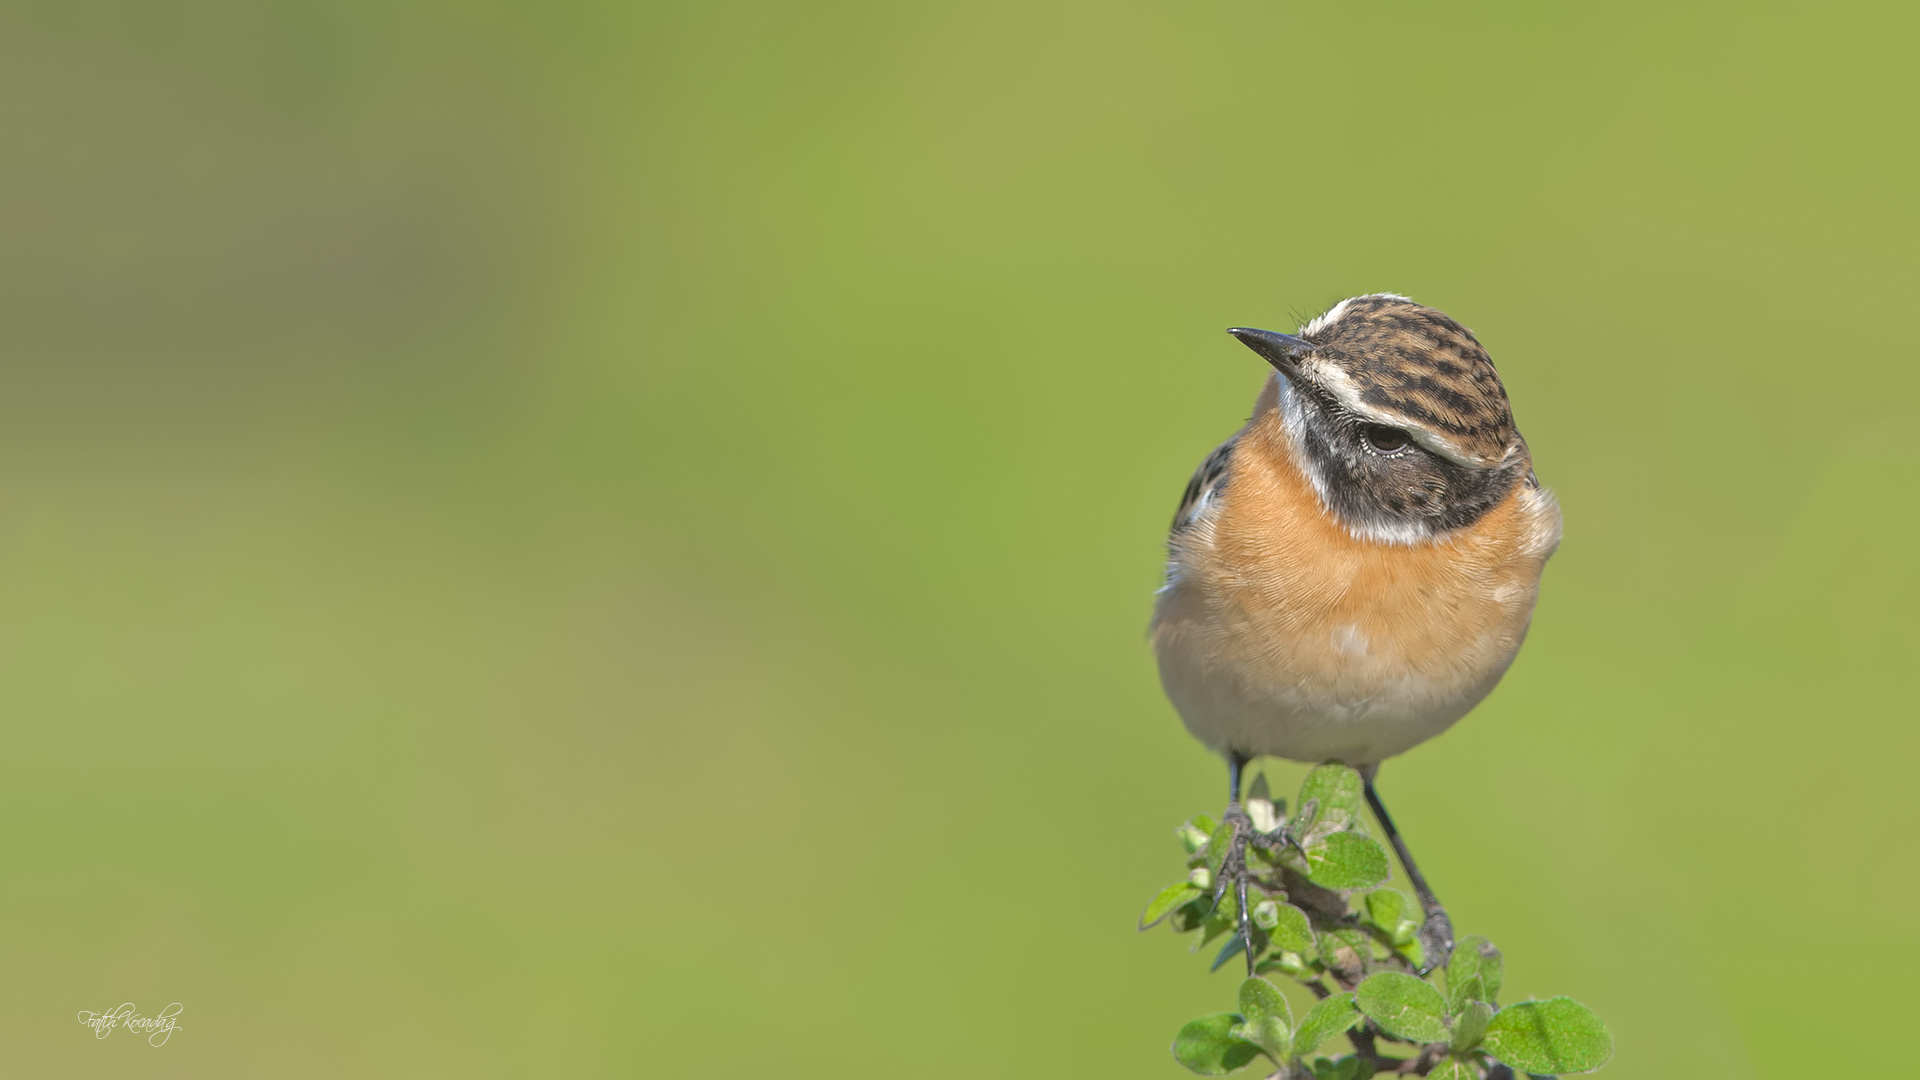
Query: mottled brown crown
1389	358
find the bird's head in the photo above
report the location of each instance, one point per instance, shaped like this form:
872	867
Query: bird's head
1396	415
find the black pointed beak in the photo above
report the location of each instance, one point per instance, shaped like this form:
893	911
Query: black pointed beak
1283	351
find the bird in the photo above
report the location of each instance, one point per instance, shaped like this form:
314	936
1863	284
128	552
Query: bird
1354	569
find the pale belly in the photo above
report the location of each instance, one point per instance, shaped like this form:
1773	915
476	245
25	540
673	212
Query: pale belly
1279	633
1328	692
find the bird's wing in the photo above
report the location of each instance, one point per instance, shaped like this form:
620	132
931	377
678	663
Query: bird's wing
1207	482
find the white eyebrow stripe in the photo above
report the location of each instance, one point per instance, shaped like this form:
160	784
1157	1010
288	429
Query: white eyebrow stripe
1340	386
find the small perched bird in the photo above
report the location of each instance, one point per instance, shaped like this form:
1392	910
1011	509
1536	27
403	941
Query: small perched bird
1353	570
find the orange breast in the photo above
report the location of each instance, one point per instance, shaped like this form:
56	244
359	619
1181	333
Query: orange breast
1281	632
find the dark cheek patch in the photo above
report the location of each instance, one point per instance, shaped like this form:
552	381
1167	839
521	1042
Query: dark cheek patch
1427	494
1414	489
1467	494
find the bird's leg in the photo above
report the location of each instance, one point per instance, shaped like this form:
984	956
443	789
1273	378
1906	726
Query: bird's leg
1233	870
1436	933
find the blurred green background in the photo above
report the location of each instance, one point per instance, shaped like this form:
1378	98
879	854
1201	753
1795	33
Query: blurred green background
617	539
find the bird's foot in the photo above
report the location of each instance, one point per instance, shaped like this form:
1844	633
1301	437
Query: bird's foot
1233	880
1253	827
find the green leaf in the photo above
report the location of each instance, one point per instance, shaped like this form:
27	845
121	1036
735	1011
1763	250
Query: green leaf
1337	793
1393	913
1404	1006
1459	995
1260	998
1206	1045
1329	1017
1192	915
1269	1033
1217	847
1346	860
1351	1067
1163	903
1266	914
1346	950
1224	917
1558	1035
1387	907
1475	955
1469	1024
1291	932
1453	1068
1191	837
1287	962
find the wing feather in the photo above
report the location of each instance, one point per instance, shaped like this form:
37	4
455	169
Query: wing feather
1208	480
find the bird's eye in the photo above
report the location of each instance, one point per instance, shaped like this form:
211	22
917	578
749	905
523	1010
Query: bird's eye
1382	439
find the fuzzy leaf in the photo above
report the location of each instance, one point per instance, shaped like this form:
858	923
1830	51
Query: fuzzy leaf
1206	1046
1346	860
1162	905
1351	1067
1217	847
1387	907
1269	1033
1291	932
1558	1035
1453	1068
1289	963
1460	995
1266	914
1329	1017
1394	913
1346	950
1260	998
1192	915
1225	915
1404	1006
1469	1024
1475	955
1337	793
1191	838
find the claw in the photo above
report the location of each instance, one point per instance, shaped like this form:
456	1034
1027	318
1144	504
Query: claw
1279	840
